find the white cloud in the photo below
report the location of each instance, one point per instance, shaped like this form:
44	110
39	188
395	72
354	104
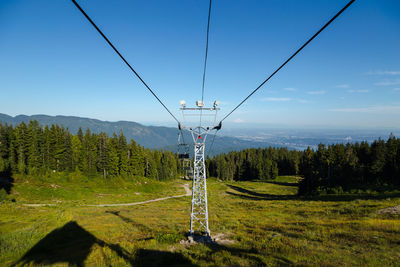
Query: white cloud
372	109
238	120
343	86
384	72
303	101
290	89
358	91
277	99
388	83
286	99
321	92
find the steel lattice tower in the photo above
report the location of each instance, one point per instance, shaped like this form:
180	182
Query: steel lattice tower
199	210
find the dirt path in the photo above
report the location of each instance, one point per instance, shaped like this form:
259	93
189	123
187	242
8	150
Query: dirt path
37	205
390	210
185	186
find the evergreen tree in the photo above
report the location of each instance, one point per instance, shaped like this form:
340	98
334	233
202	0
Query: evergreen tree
102	154
22	146
4	149
76	147
123	154
34	141
113	159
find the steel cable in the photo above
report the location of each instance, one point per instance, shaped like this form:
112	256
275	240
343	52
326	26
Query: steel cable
290	58
126	62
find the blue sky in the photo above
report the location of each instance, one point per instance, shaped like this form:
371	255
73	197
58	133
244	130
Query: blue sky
53	61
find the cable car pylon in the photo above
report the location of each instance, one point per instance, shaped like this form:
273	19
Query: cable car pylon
199	228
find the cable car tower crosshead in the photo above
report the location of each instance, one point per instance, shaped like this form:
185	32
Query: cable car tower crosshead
199	210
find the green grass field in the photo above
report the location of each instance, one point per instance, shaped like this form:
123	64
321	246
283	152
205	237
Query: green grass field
264	223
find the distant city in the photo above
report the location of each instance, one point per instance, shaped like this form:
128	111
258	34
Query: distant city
302	138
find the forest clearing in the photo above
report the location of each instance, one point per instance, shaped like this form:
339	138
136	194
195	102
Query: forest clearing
256	223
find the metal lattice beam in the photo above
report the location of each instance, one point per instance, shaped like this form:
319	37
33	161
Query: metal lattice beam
199	213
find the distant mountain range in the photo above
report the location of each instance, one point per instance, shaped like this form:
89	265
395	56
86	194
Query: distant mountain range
155	137
166	138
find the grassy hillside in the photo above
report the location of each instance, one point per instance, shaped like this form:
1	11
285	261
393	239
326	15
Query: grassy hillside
260	223
76	189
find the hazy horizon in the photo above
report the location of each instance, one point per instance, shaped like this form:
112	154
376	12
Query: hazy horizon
245	127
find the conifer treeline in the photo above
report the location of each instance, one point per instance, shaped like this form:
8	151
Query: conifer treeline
32	149
328	168
251	164
344	167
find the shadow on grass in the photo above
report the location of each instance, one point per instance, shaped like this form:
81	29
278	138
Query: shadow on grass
248	194
6	182
282	183
252	195
253	255
72	244
351	197
137	225
148	257
68	244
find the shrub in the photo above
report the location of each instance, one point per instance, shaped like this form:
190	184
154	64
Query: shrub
169	238
3	195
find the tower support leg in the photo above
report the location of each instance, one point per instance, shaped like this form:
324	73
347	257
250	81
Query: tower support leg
199	213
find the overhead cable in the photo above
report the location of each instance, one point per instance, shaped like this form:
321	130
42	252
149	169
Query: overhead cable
205	59
212	143
123	59
290	58
206	54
